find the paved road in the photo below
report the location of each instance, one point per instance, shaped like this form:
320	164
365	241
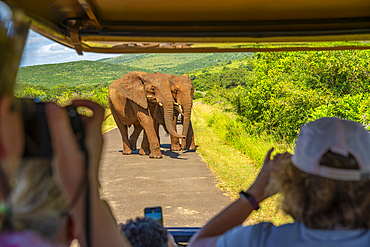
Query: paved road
180	182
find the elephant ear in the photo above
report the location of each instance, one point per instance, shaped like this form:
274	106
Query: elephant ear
132	87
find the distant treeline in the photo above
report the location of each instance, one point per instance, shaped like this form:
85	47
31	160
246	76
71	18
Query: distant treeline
65	94
175	64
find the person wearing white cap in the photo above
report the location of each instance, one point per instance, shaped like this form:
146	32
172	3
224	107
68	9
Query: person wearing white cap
325	187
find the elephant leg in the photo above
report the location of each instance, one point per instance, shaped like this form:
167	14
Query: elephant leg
190	145
123	130
145	149
126	148
175	143
135	135
156	128
148	124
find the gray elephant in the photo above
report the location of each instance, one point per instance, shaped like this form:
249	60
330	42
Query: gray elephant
136	99
182	92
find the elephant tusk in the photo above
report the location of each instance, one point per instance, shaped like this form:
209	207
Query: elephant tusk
151	97
160	104
180	108
193	109
176	103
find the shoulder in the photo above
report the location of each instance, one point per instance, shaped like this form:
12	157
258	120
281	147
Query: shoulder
255	235
24	239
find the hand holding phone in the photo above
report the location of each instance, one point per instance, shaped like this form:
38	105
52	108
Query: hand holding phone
155	213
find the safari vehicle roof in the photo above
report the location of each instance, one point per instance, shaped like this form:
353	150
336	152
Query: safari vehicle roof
149	26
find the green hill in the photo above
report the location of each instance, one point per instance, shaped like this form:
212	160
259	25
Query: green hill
107	70
227	74
73	73
174	63
122	58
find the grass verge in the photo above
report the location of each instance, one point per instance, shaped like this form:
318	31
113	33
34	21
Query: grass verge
234	170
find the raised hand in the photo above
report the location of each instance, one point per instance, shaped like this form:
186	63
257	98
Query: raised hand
257	189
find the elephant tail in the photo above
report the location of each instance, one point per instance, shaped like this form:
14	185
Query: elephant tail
107	116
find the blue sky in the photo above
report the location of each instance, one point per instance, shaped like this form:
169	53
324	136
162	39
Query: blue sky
41	50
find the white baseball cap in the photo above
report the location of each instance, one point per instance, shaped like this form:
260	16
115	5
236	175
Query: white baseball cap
339	136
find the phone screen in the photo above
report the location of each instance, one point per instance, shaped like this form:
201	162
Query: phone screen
155	213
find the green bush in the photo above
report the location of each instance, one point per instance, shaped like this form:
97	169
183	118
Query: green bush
277	108
351	107
340	72
285	90
197	95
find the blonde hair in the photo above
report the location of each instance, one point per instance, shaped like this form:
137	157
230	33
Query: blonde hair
322	203
34	203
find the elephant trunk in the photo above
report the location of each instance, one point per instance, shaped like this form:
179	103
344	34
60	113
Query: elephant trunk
186	114
168	119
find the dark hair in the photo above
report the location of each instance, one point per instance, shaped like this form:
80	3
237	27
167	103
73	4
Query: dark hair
145	232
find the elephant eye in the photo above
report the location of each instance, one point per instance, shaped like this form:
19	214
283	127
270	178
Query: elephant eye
153	87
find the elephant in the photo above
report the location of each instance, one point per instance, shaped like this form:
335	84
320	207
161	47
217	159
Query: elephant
134	98
182	91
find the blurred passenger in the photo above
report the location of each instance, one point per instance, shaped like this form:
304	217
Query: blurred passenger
42	203
325	187
36	197
146	232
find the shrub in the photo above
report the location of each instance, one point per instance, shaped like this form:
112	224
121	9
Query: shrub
351	107
197	95
285	90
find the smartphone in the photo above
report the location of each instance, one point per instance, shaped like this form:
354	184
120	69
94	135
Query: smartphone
155	213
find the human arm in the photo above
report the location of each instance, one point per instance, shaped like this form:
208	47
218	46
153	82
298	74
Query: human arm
70	171
236	213
171	240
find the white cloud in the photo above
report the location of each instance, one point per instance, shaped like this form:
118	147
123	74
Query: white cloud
40	50
52	50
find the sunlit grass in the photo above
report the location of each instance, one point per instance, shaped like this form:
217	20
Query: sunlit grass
234	170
